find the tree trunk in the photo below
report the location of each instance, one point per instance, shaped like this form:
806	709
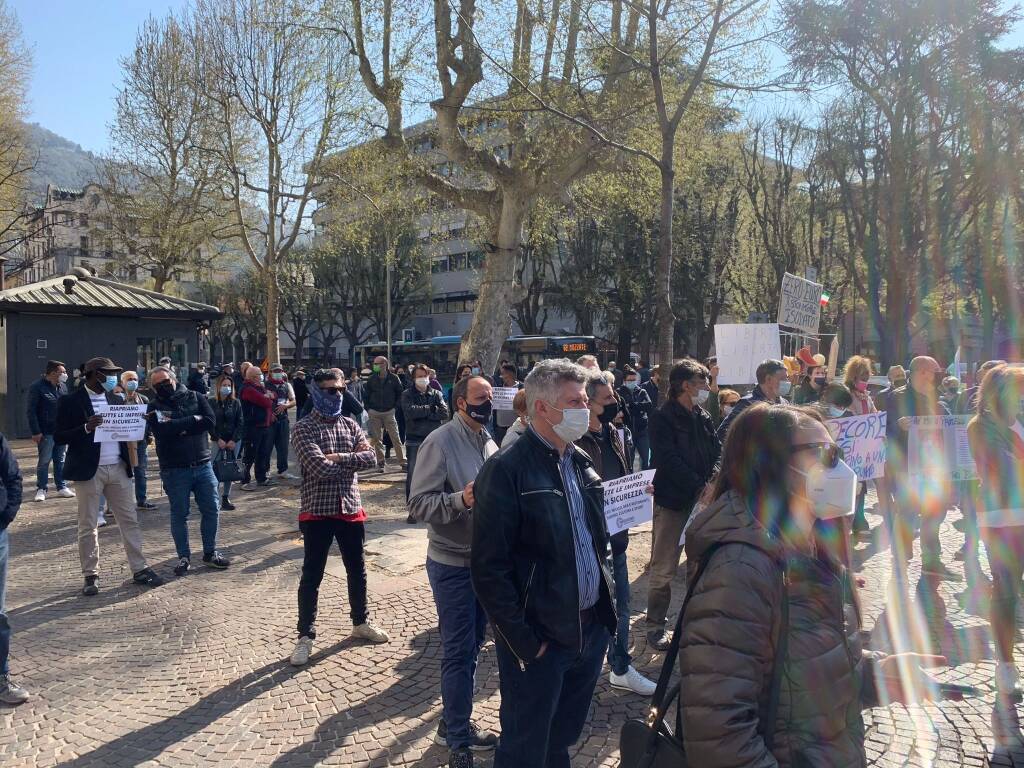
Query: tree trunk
491	322
663	266
159	281
273	300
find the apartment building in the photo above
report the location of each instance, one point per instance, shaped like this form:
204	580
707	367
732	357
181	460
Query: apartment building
69	230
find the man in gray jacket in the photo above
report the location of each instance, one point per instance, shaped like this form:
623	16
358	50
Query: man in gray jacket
441	495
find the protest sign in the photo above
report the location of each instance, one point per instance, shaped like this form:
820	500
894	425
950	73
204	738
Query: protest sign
626	503
502	397
937	447
800	305
862	439
121	422
741	348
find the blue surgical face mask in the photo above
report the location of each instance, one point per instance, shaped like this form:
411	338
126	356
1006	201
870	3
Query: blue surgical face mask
225	391
785	387
835	412
475	370
631	385
110	383
131	385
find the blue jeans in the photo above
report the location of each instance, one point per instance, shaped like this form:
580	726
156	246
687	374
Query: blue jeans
140	473
180	484
279	435
462	622
642	445
544	707
5	626
49	452
618	650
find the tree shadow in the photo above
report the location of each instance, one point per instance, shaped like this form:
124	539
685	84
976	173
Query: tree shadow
148	742
411	698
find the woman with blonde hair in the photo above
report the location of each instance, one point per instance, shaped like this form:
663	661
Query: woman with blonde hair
998	451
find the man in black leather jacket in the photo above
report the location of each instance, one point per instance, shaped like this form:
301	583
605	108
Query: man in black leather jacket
539	565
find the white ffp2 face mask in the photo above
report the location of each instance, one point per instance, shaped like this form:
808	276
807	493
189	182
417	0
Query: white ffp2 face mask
574	424
832	491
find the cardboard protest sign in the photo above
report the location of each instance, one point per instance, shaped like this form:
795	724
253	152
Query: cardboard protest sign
862	439
121	422
800	304
626	503
502	397
741	348
938	448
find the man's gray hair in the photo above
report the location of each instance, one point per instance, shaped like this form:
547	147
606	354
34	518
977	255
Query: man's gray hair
547	377
586	359
165	369
598	380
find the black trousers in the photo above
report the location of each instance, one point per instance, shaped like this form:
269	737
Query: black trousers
256	447
317	537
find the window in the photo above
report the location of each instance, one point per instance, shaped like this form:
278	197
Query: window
456	305
457	233
83	219
438	306
439	265
83	245
475	259
457	261
108	250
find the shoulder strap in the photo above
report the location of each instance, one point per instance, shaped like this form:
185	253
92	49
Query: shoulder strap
659	702
778	665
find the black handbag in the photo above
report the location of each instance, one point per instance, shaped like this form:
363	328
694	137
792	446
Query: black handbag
650	742
227	467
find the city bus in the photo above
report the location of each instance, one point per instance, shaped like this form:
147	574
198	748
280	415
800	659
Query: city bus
442	352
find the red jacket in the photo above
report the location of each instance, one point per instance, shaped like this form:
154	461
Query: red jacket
257	405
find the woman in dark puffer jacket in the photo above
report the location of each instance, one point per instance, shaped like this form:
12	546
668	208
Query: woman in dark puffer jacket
781	492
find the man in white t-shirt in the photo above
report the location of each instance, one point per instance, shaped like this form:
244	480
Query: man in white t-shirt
103	469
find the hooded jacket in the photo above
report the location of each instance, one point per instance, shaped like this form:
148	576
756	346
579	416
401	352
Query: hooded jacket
727	648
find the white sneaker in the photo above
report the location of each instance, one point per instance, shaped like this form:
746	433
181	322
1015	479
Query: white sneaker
1007	681
40	495
302	650
633	681
66	493
101	521
371	632
288	476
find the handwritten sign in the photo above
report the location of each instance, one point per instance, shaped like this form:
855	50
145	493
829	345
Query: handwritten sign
502	397
800	305
120	423
862	439
938	448
626	502
741	348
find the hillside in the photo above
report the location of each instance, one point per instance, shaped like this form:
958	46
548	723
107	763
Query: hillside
61	162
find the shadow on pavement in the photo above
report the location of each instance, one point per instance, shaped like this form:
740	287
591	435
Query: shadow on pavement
148	742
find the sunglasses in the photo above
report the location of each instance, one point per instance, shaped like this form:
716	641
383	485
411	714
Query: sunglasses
829	454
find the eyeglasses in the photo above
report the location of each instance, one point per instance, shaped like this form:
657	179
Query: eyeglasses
333	390
829	454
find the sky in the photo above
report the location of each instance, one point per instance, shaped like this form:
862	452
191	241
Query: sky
77	49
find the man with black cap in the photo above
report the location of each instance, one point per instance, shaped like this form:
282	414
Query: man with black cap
100	470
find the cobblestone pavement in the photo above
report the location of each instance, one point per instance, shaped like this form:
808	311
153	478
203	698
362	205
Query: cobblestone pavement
195	673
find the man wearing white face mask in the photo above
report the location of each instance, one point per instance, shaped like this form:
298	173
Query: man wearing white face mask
684	452
42	420
773	387
539	564
425	410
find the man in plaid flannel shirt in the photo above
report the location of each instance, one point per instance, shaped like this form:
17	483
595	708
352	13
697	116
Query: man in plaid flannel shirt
331	449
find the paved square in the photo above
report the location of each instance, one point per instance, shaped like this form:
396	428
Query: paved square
196	673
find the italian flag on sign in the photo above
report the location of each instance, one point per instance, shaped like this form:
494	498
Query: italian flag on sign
824	298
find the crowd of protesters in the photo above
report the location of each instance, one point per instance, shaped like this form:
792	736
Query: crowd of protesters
751	486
